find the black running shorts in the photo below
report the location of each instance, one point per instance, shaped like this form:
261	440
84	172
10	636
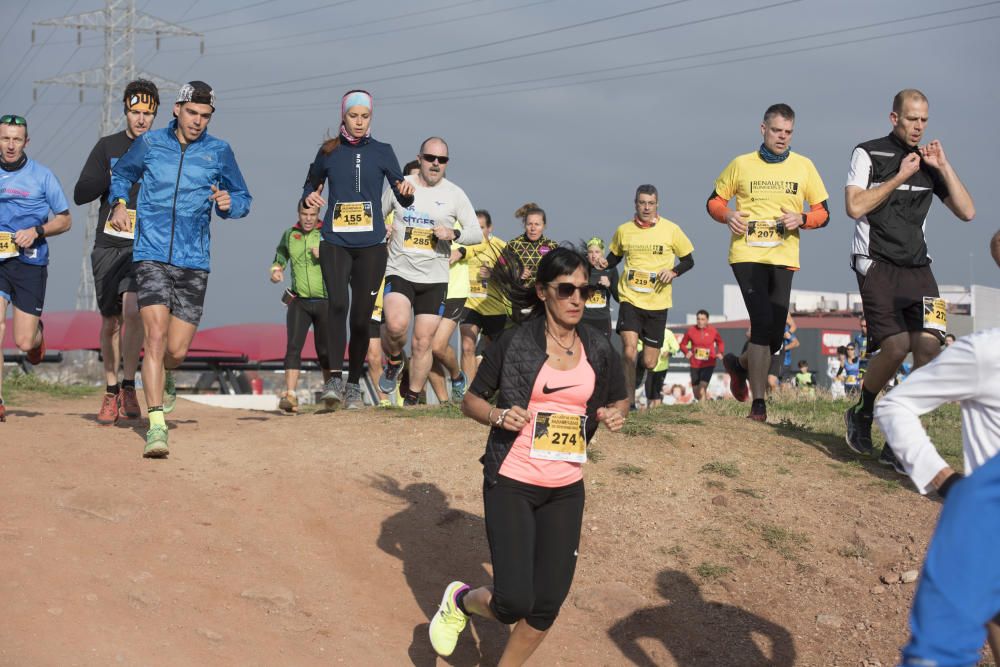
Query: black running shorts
649	324
893	299
425	298
113	276
490	326
23	285
180	290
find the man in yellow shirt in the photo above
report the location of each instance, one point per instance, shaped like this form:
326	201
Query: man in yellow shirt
769	185
649	246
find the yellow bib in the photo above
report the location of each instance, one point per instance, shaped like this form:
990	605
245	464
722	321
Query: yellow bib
935	313
355	216
126	234
8	248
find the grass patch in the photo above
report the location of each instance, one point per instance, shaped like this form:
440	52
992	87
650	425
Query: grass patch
753	493
637	426
595	455
856	549
446	411
885	485
782	470
17	384
786	542
715	484
847	468
629	470
726	469
711	571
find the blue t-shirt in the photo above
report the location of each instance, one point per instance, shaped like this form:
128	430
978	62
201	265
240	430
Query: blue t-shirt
787	360
26	197
852	369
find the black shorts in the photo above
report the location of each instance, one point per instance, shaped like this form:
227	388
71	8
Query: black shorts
893	299
649	324
767	291
180	290
699	375
113	276
453	309
654	385
775	368
490	326
23	285
425	298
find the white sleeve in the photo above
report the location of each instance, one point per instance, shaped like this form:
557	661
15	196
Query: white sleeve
861	169
952	376
388	201
465	213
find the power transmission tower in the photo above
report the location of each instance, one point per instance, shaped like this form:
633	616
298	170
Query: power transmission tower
120	22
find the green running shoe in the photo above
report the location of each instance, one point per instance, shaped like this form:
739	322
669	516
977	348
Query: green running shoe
448	622
156	443
169	393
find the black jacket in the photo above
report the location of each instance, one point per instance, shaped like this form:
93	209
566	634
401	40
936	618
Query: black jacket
510	367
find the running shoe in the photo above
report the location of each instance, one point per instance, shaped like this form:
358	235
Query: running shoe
385	403
333	392
156	443
458	388
353	398
737	377
448	622
36	354
108	414
758	411
169	392
289	402
859	432
390	375
410	398
128	403
888	458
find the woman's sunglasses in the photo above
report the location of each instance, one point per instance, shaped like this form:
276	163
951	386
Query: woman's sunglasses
565	290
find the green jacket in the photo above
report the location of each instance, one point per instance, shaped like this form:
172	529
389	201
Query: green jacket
295	248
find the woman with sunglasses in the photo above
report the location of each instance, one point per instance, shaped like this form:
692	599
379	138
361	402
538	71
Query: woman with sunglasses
553	381
605	284
353	252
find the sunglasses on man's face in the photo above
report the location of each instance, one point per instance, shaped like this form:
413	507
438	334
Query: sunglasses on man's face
565	290
443	159
11	119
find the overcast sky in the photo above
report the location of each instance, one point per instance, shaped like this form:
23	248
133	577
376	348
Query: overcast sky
560	102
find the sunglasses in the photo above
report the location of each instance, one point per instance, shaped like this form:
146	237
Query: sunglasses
565	290
443	159
11	119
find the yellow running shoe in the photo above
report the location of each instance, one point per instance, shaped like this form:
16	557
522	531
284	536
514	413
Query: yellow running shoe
448	622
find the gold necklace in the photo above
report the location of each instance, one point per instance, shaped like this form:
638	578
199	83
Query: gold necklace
567	349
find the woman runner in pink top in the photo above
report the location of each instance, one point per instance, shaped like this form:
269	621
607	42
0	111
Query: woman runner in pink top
553	381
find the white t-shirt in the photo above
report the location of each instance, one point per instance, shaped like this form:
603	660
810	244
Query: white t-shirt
968	371
415	254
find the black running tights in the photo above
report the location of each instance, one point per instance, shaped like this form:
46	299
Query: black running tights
303	313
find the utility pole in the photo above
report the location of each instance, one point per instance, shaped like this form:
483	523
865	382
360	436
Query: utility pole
119	22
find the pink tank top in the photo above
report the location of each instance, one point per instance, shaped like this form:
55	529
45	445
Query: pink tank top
554	391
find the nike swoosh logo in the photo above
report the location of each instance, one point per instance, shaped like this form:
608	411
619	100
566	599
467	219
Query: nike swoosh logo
546	389
374	292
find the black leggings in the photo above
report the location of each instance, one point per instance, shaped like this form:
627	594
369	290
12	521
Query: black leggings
767	289
362	269
534	534
303	313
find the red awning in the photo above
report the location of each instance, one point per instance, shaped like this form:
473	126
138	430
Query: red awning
64	330
258	342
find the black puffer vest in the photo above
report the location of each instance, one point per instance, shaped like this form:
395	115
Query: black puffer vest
523	353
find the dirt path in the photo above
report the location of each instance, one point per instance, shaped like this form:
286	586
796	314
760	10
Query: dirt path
327	539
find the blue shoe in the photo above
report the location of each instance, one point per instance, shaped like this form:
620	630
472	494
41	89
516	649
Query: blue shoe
458	388
390	376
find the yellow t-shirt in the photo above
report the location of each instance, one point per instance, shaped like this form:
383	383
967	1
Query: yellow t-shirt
483	296
762	189
644	253
458	274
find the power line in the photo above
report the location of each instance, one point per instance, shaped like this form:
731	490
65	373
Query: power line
14	70
228	11
465	49
528	54
10	26
229	26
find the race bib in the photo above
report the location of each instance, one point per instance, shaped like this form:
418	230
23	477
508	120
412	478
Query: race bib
350	217
128	233
597	300
851	379
763	234
477	288
640	281
557	436
377	314
701	353
419	239
8	248
935	313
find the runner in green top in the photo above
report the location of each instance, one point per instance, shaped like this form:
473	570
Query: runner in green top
306	299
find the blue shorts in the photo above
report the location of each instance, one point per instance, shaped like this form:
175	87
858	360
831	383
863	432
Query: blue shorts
23	285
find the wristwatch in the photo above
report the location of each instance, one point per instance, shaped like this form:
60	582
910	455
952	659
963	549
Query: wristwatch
40	231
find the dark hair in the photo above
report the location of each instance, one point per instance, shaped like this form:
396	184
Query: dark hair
803	362
702	312
780	109
906	94
482	212
951	336
330	143
424	143
560	261
410	166
141	87
528	209
646	189
842	349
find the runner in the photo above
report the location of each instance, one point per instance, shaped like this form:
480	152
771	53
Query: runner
852	372
649	245
485	310
29	191
965	372
306	300
949	339
184	171
703	346
837	373
781	363
416	277
657	375
861	345
111	259
353	253
553	381
889	190
769	186
528	249
605	283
